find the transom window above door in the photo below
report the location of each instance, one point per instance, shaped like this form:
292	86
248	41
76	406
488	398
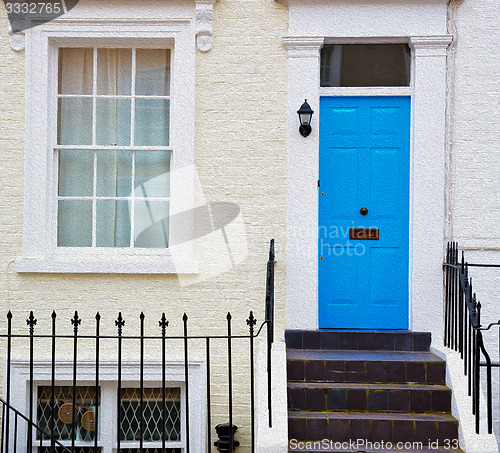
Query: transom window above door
365	65
113	147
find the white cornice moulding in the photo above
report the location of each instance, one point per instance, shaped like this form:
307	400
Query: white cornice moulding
303	46
430	45
17	41
204	24
298	2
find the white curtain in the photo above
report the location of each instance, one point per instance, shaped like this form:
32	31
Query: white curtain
113	128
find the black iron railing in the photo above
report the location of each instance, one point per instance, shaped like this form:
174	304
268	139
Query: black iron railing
45	431
463	331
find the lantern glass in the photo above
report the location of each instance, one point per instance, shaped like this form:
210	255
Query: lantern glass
305	119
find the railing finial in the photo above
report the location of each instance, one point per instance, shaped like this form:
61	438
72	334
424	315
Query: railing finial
120	322
163	323
31	322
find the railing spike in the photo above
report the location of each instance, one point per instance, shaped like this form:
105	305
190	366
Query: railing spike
120	322
163	323
31	322
251	321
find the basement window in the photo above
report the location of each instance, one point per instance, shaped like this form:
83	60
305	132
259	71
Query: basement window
365	65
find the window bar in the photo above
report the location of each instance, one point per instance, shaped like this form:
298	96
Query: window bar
251	321
141	401
132	143
209	415
119	323
186	370
41	441
94	143
9	356
76	321
163	323
230	382
96	410
31	322
52	385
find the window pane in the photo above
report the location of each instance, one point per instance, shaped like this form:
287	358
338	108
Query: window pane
114	173
75	121
152	122
152	72
152	173
151	224
75	71
113	122
76	173
63	397
130	413
74	223
364	65
114	71
113	223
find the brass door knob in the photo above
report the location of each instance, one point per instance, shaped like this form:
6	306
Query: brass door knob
363	211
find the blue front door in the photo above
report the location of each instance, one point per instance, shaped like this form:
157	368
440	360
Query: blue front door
364	162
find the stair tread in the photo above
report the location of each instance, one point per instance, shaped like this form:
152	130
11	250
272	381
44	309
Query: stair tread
366	386
377	356
441	417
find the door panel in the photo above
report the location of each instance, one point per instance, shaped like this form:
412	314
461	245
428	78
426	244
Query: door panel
364	163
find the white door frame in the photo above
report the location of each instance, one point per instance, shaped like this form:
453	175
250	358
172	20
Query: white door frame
427	167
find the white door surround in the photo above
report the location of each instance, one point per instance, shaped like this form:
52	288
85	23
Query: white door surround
423	27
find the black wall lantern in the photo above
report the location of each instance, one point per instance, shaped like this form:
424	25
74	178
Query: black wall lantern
305	114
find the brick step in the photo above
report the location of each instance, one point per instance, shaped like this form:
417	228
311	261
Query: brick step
374	427
304	365
354	340
319	396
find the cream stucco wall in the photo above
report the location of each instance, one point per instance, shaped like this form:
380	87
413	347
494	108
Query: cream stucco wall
240	157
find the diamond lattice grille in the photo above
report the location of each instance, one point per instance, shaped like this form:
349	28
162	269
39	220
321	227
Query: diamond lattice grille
150	450
63	420
77	450
152	415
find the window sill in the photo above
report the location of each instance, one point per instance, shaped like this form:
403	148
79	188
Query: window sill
143	265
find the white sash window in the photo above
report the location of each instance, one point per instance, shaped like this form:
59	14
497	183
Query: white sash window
113	148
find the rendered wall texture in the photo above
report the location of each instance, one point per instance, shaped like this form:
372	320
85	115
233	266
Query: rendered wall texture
476	152
240	157
475	208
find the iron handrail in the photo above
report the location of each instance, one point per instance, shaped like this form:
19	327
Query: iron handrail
463	329
33	424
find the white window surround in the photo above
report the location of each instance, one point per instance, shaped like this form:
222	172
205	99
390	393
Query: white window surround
423	27
40	253
20	375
